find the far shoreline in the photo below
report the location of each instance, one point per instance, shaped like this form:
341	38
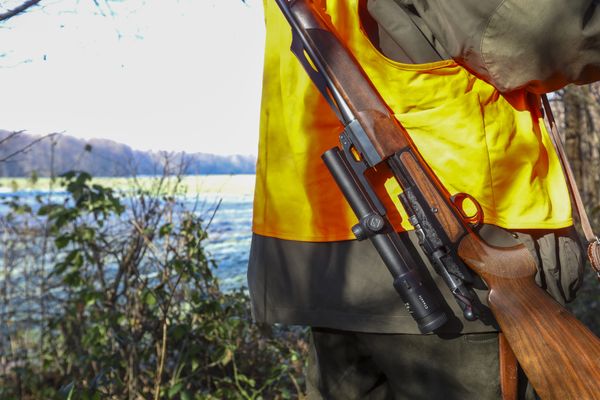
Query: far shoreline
226	184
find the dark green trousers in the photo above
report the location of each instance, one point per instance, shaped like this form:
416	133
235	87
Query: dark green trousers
347	365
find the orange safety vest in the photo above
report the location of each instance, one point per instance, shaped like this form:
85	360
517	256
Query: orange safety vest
491	145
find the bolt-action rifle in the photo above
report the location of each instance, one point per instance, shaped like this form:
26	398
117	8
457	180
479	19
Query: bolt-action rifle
560	356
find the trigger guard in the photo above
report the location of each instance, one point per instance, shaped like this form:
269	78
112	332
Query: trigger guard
458	200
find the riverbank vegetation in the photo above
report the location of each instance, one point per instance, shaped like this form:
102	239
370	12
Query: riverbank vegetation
104	296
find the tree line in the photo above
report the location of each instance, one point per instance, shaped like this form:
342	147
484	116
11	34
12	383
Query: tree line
22	155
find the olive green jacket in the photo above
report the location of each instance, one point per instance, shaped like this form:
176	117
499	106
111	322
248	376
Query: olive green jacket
538	44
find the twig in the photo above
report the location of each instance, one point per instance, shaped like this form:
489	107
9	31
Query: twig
236	381
213	214
163	352
27	147
10	136
161	365
298	390
23	7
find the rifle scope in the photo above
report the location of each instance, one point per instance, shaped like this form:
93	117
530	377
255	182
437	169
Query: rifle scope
422	303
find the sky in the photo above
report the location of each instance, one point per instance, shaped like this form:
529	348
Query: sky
175	75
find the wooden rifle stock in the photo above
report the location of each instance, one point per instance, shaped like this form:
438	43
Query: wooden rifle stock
560	356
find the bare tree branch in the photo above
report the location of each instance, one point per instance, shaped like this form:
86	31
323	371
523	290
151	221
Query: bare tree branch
23	7
25	148
10	136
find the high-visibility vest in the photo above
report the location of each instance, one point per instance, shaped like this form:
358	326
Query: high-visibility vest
491	145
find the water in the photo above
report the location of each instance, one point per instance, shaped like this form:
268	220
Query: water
229	235
225	204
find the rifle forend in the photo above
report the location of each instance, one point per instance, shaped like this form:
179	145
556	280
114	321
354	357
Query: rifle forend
560	356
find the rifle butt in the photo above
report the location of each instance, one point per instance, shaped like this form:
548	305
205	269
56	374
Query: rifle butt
559	354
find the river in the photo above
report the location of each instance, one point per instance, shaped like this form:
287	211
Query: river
224	200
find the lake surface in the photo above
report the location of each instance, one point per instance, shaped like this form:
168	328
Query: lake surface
229	235
227	199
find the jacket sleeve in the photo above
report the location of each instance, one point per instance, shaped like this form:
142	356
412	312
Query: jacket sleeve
542	45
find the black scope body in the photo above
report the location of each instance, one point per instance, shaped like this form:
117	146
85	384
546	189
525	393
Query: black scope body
422	301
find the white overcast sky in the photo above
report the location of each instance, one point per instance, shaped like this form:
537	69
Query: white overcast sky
158	74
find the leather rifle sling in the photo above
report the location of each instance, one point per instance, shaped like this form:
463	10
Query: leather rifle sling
593	246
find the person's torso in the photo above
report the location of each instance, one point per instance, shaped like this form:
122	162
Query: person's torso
478	141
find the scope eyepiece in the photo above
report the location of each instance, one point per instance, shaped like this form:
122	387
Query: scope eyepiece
421	303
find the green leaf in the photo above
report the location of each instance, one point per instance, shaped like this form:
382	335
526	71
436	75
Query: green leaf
70	395
78	260
121	320
59	268
67	390
173	390
45	210
62	241
165	229
71	256
73	279
83	177
68	175
91	297
185	395
149	298
88	234
227	357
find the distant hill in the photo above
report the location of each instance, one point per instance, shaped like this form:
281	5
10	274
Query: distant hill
102	157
